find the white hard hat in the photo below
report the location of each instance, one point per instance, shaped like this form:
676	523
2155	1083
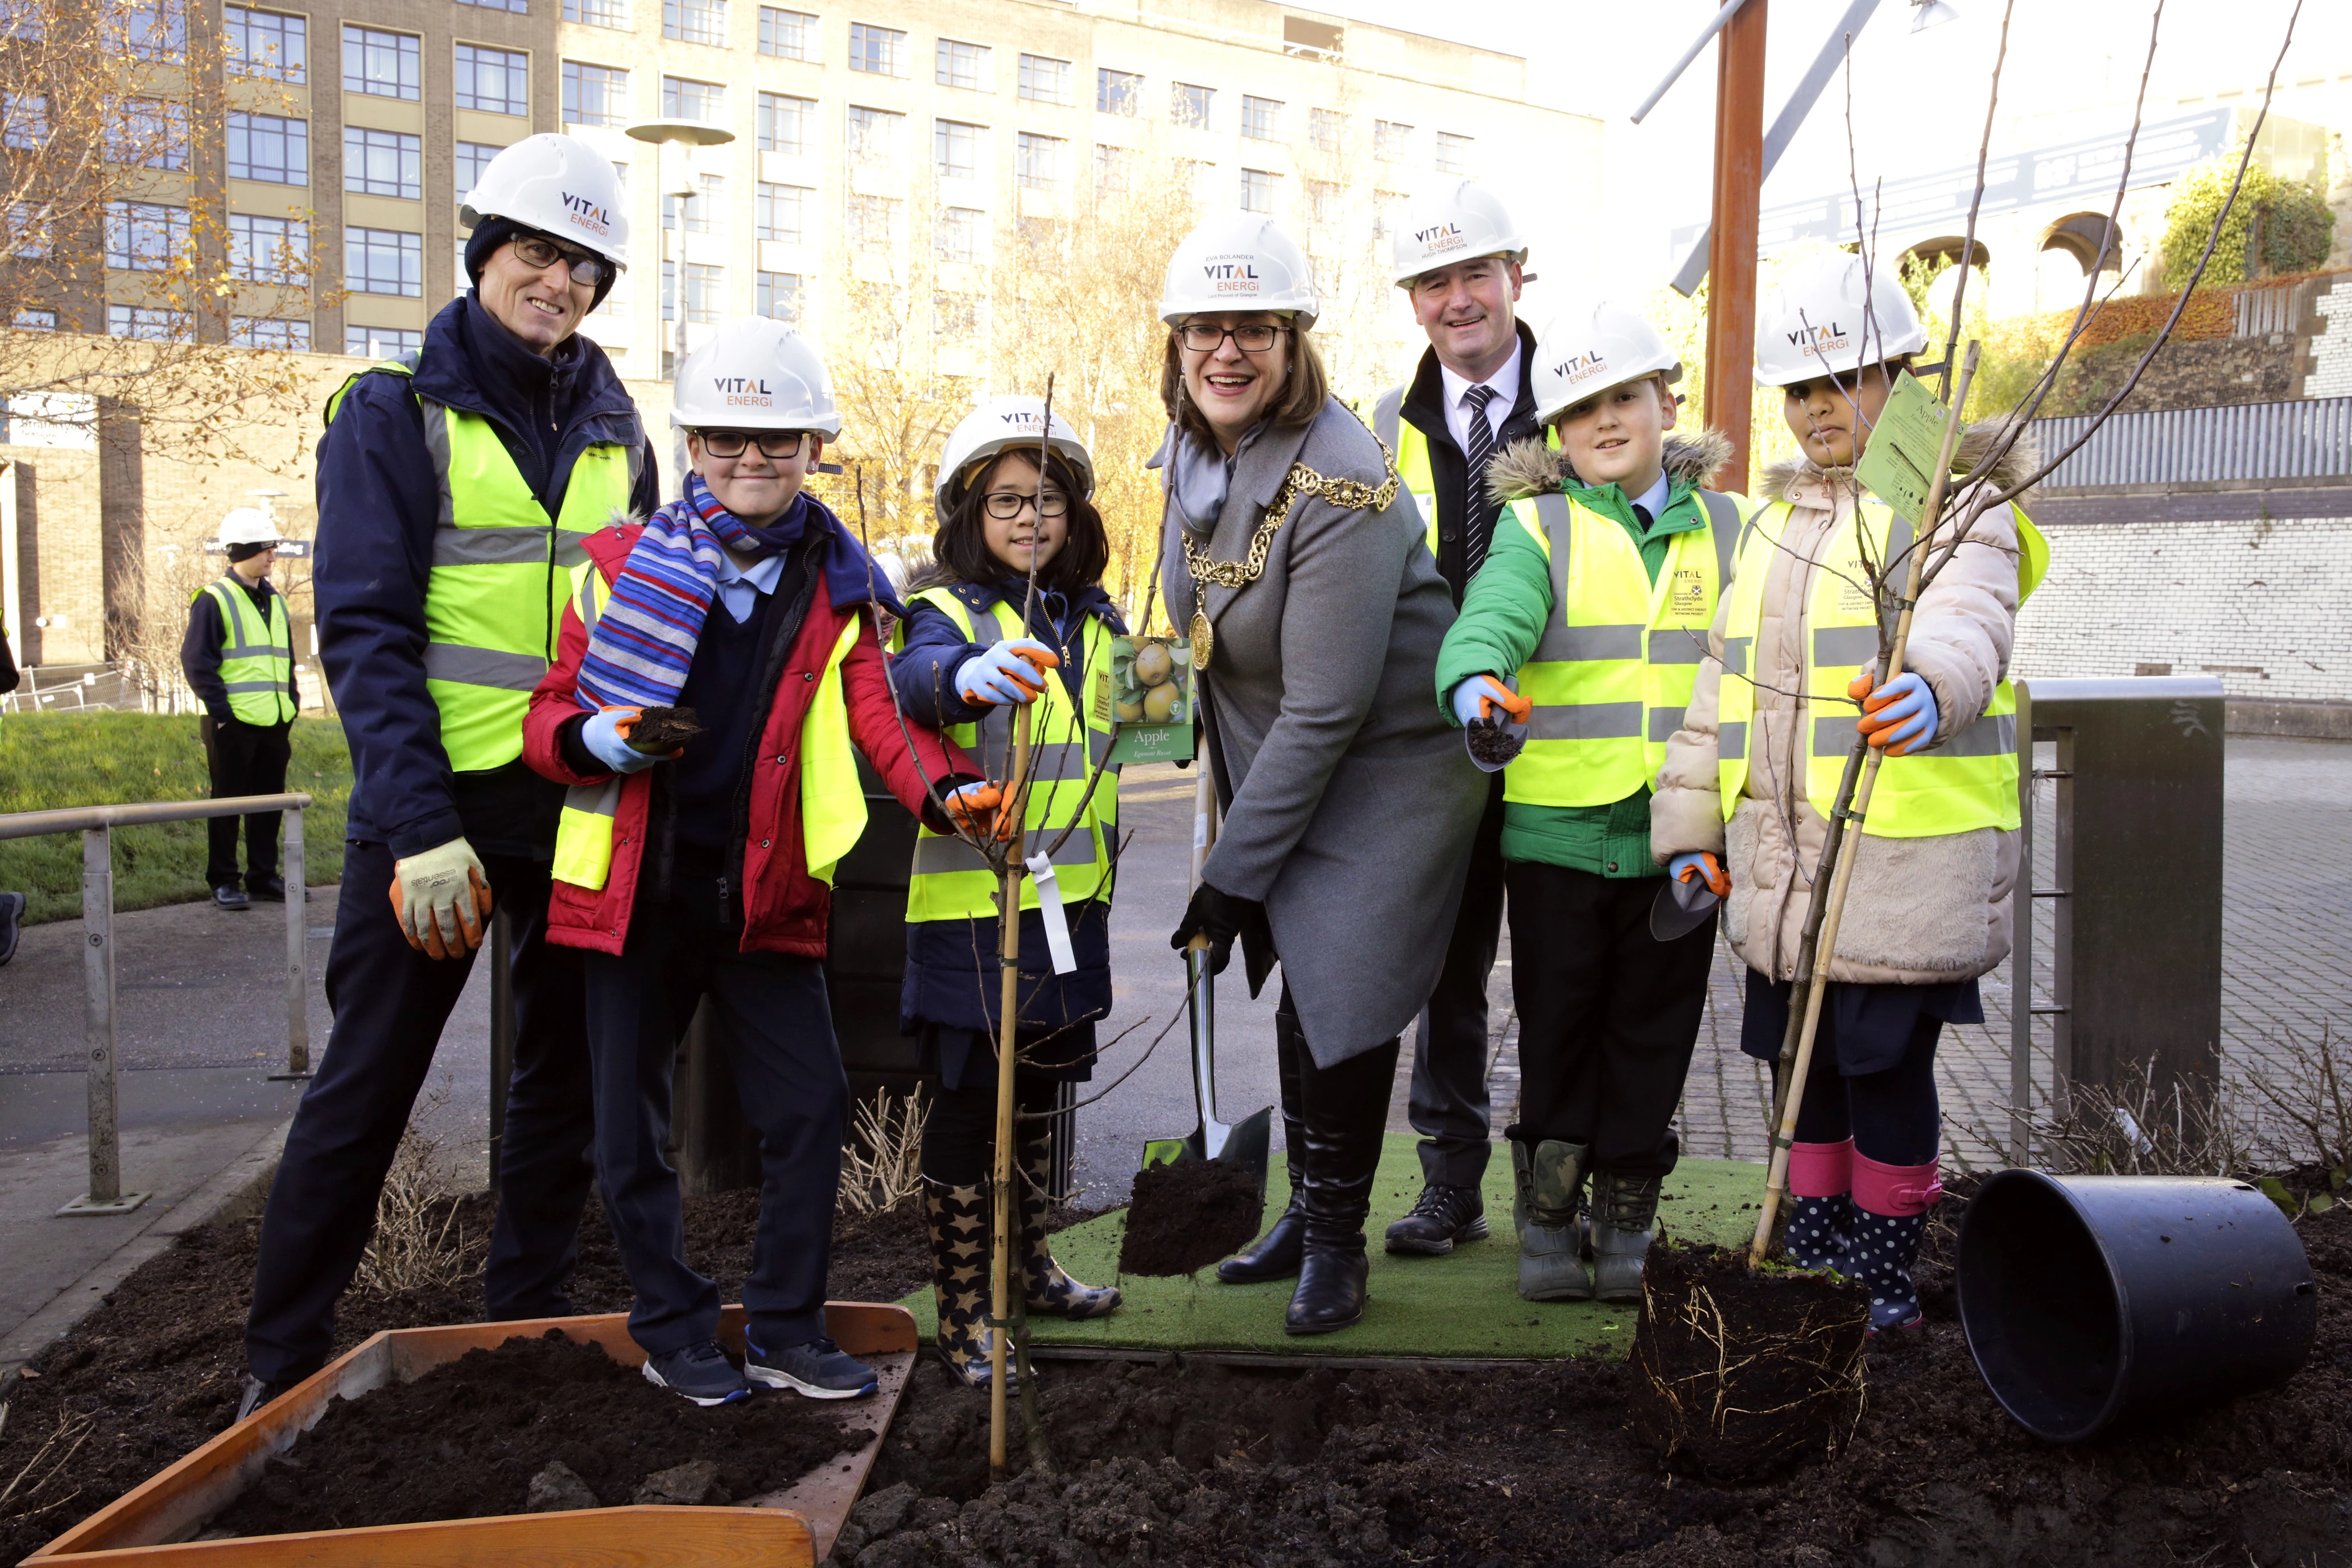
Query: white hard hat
998	426
755	374
1590	349
247	525
1239	262
559	185
1817	323
1465	222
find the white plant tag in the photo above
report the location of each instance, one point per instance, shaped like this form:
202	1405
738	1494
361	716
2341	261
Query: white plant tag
1049	904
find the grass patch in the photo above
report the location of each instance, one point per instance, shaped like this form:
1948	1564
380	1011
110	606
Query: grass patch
50	761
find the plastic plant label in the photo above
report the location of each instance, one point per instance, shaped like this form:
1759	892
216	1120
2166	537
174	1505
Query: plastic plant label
1152	698
1049	907
1899	464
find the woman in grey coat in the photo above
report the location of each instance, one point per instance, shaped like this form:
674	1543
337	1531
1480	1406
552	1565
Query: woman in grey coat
1315	616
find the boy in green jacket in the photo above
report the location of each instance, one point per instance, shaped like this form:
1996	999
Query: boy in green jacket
1596	597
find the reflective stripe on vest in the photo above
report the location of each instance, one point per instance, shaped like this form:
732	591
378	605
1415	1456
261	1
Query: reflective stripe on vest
1968	781
948	878
832	800
494	597
256	654
1612	672
1411	449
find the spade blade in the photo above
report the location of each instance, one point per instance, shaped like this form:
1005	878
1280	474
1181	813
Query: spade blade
1681	908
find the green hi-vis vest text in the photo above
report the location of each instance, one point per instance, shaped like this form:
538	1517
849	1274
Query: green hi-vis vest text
494	600
1968	781
1612	673
832	800
256	655
950	881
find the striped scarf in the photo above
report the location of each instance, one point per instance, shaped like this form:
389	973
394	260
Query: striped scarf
645	639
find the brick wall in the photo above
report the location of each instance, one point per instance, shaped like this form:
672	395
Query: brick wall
2330	365
2258	603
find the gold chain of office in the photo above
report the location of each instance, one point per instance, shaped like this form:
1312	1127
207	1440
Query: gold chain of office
1348	495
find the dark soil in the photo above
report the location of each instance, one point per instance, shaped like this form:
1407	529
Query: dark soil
1743	1373
1493	744
1186	1216
660	730
464	1441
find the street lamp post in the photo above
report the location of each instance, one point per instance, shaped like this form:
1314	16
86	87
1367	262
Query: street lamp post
685	135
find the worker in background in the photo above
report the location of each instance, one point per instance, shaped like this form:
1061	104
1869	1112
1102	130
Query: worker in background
1754	771
1598	663
12	905
1461	260
455	490
239	657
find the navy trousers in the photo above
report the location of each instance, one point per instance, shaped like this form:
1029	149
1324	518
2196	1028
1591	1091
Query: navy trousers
390	1003
778	1024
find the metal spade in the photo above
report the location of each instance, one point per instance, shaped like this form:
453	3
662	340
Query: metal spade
1681	908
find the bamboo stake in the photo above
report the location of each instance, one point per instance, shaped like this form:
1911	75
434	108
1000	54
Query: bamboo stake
1853	806
1008	962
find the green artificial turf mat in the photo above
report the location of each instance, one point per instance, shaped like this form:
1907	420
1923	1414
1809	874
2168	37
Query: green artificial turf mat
1465	1304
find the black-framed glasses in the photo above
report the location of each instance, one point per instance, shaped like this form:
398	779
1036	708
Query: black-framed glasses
1206	337
730	443
1006	505
540	253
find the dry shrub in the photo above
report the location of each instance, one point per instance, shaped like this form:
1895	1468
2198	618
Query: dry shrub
2305	1119
882	1163
2135	1128
418	1244
22	1497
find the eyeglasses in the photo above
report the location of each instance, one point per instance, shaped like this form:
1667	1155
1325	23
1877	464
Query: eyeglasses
540	253
1006	505
1206	337
730	443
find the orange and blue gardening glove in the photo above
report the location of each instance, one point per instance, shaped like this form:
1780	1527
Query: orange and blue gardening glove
1483	700
1011	670
1702	864
1900	715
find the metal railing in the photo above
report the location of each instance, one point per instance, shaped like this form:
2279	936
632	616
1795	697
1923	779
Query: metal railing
2307	439
96	824
2263	311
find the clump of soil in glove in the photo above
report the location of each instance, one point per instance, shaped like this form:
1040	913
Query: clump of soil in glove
661	730
1186	1216
1493	744
468	1441
1742	1374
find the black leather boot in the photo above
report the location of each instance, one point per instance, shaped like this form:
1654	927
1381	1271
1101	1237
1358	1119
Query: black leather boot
1275	1255
1345	1109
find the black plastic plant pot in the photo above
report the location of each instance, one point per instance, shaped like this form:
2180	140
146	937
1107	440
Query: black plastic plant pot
2092	1300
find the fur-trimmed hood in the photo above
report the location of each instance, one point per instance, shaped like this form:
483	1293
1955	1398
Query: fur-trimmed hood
1529	468
1778	479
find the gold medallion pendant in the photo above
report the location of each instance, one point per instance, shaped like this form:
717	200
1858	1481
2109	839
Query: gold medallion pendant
1203	638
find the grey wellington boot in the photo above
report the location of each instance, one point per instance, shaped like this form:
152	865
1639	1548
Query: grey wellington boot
1551	1242
1522	1171
1625	1222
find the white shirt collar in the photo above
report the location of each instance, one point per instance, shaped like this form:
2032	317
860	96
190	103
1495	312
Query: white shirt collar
761	574
1506	381
1654	499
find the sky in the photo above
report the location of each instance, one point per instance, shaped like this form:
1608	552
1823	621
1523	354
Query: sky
1918	98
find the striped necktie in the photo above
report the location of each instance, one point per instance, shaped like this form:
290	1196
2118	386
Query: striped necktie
1481	447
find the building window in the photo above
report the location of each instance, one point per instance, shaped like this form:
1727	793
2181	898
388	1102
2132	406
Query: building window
874	136
787	35
1262	119
1454	153
777	295
522	8
383	163
955	315
782	212
1389	139
706	292
683	98
701	210
29	231
1387	209
597	14
151	133
595	95
695	21
1044	80
264	147
383	261
35	320
261	333
1114	170
1326	201
24	119
263	43
494	82
382	342
961	65
872	221
1115	93
1190	106
145	237
1258	188
882	51
382	64
473	157
152	29
155	326
784	122
1326	129
268	249
1038	161
956	149
956	236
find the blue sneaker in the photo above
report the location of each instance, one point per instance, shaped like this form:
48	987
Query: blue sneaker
700	1373
817	1368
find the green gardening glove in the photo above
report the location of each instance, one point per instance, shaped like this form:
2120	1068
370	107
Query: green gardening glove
440	895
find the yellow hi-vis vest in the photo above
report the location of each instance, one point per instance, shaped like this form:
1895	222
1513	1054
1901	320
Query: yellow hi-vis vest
1966	783
494	599
256	655
1411	449
1611	676
832	800
950	881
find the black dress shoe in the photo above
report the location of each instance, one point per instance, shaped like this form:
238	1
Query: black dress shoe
12	915
1275	1255
270	890
230	897
1331	1290
1444	1215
